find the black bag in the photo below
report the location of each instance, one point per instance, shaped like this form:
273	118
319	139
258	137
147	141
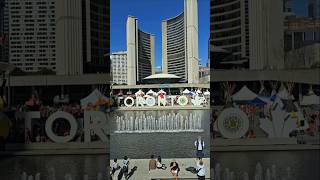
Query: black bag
193	170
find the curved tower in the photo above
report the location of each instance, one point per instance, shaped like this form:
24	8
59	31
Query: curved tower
180	44
140	53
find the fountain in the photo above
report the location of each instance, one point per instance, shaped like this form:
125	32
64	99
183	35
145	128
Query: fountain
170	122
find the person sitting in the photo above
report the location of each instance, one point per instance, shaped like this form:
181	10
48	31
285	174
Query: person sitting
251	134
174	169
115	166
152	163
312	128
160	165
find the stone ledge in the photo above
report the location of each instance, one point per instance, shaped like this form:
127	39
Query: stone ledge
143	173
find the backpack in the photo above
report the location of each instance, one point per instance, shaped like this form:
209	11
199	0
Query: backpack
201	144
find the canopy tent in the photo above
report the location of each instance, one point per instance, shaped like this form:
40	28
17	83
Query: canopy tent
244	94
92	98
199	91
120	93
64	98
192	92
310	99
140	92
151	93
263	92
186	91
258	101
284	94
162	92
207	93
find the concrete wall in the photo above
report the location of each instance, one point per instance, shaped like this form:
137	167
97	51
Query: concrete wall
69	37
132	28
266	30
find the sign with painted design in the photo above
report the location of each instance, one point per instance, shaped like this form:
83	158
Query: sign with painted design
233	123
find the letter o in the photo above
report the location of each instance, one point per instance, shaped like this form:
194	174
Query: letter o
182	100
69	118
150	101
132	101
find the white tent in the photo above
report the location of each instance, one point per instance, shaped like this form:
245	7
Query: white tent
61	99
244	94
199	92
207	93
310	99
92	98
140	92
151	93
284	94
162	92
186	91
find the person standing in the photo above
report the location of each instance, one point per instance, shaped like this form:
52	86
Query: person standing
199	144
201	172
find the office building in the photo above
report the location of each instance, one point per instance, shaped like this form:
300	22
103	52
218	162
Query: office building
70	37
4	32
314	9
83	36
32	44
140	52
180	44
119	67
250	33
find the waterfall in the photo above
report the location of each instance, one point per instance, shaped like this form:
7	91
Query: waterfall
171	122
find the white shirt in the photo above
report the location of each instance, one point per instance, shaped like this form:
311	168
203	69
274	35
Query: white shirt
202	171
114	165
200	146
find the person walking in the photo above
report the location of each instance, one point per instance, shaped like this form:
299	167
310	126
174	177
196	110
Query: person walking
125	167
201	172
199	144
115	166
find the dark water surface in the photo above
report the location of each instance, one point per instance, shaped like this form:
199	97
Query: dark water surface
304	164
11	168
167	145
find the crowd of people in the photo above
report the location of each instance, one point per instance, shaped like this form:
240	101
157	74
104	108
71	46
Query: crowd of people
157	164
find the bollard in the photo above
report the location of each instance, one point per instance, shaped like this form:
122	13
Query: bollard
85	177
68	177
52	174
37	177
258	173
24	176
217	172
30	177
226	175
268	174
99	176
288	173
273	172
245	176
231	175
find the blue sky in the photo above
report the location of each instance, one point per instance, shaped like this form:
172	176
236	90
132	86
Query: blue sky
300	7
150	14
